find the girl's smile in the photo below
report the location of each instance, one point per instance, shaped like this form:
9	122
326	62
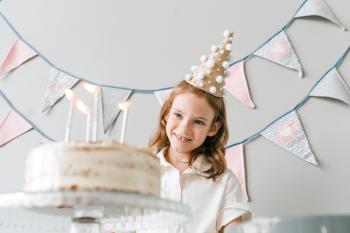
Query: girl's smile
189	122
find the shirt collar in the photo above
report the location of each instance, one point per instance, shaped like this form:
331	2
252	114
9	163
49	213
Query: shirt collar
199	166
161	156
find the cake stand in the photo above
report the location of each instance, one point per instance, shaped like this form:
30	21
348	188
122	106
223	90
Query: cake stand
92	211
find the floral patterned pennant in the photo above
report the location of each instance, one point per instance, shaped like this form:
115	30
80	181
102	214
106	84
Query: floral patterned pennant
289	134
279	50
58	81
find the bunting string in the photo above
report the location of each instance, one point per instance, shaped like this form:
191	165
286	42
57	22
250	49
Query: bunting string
311	6
297	107
244	141
285	131
136	90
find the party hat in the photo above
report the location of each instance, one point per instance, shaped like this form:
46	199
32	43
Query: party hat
210	74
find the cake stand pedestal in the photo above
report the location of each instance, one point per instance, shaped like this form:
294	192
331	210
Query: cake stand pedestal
93	211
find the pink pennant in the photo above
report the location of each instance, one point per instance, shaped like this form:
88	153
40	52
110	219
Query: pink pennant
12	126
235	161
237	84
18	54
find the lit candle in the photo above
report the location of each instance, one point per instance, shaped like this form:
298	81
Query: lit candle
86	110
95	90
124	107
70	96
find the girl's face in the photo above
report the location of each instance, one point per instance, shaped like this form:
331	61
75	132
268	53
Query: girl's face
189	123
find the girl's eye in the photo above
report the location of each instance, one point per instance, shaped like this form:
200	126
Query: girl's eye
178	115
199	122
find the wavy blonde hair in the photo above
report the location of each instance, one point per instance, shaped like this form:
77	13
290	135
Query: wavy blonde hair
213	147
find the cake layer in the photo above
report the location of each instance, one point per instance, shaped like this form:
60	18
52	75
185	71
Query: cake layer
104	165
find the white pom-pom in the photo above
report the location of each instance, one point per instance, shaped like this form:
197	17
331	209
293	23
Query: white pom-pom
225	64
219	79
227	73
194	68
227	33
204	58
210	63
200	76
228	47
188	77
212	90
214	48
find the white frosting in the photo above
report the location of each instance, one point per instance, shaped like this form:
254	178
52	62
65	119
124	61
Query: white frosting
107	166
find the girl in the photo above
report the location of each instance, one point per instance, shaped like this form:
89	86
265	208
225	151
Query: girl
190	140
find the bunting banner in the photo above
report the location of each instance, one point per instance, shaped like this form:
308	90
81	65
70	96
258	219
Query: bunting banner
18	54
318	8
288	133
12	126
234	157
236	84
332	86
162	95
110	98
58	81
279	50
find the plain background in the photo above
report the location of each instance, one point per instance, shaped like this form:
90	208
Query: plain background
153	44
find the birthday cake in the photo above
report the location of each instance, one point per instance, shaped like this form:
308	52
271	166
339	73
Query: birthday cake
102	165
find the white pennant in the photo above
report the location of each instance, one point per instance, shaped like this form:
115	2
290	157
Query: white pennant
318	8
332	86
162	95
289	134
110	99
58	81
280	51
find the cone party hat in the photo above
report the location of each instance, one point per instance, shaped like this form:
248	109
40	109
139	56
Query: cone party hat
210	74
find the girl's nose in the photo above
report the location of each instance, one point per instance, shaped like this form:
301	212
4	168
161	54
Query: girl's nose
185	126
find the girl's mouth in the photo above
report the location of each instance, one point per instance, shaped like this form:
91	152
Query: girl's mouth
181	138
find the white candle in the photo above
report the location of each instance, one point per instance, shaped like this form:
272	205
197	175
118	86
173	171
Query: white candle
124	107
95	90
86	110
70	96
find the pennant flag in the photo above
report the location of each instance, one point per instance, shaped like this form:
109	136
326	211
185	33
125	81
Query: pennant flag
58	81
332	86
279	50
110	99
162	96
234	157
288	133
12	126
318	8
18	54
237	84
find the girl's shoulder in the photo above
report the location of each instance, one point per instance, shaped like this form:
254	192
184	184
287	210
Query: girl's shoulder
228	177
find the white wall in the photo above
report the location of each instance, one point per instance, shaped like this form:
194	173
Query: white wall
152	44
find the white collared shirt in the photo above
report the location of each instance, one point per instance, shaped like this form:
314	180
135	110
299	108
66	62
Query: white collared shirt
213	203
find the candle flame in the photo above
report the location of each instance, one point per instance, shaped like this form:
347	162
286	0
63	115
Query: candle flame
93	89
82	107
124	105
69	94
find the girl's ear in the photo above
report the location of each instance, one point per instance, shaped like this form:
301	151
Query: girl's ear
214	129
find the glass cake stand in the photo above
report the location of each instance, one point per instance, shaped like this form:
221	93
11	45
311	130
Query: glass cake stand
91	211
